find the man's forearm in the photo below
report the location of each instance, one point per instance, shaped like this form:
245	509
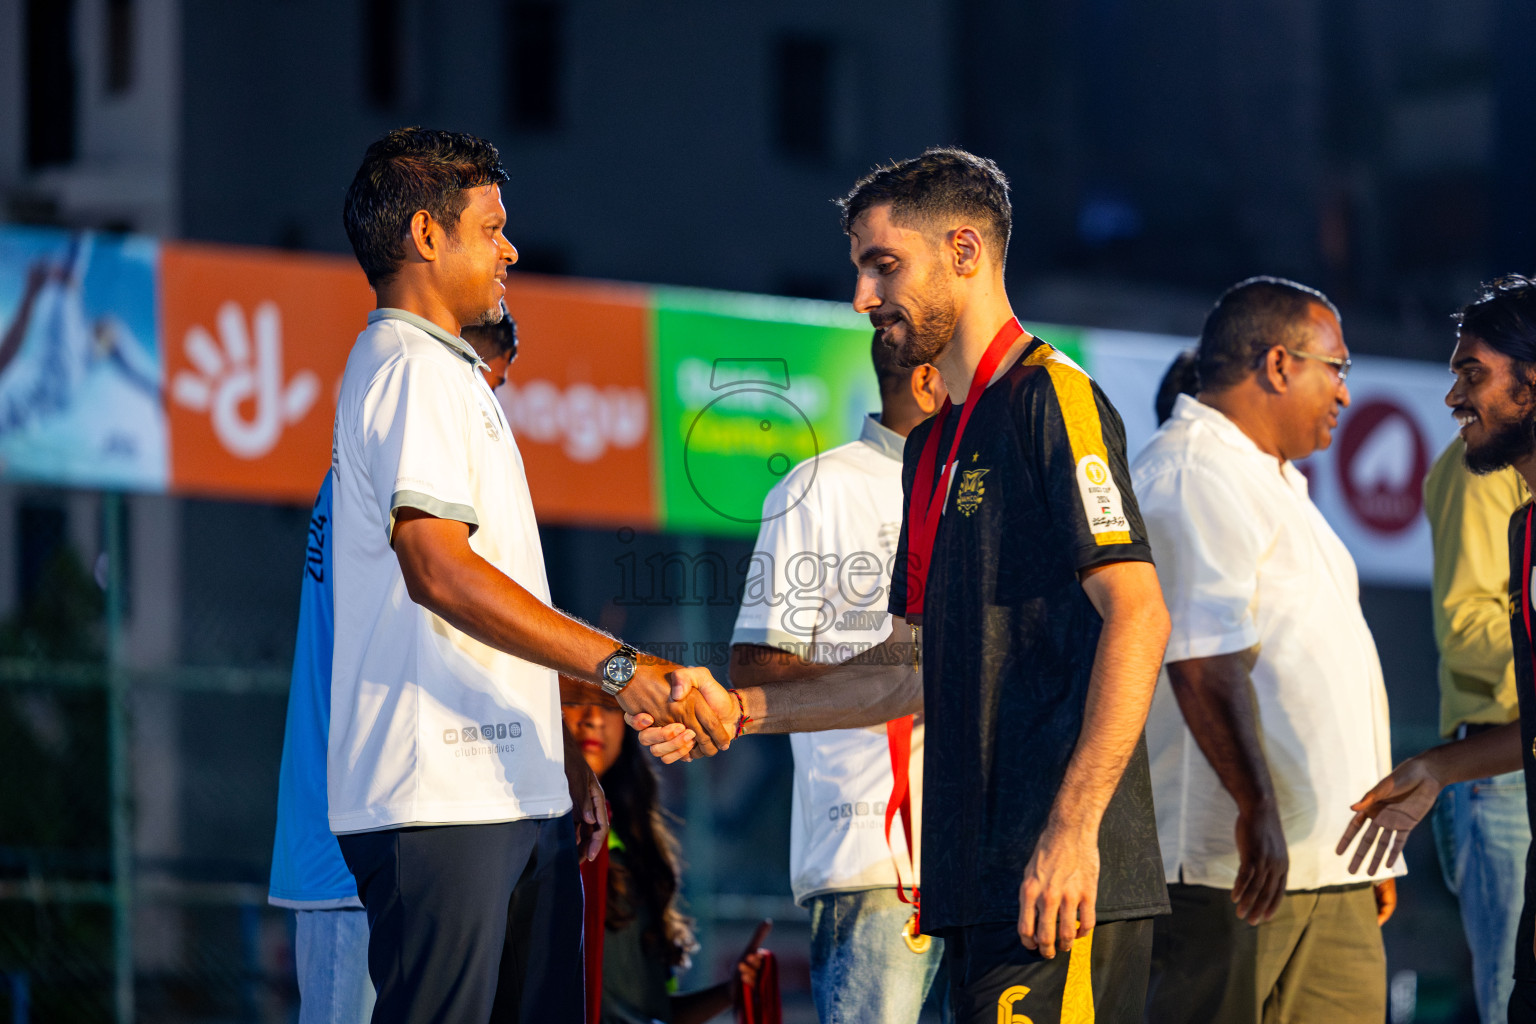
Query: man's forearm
1125	667
1493	752
762	665
846	697
1217	700
1128	598
871	689
484	603
445	575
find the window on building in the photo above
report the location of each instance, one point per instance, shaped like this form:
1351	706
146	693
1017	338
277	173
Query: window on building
40	536
50	32
119	46
802	74
383	54
124	568
536	63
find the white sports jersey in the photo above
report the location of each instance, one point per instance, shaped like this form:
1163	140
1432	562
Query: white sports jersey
430	726
820	576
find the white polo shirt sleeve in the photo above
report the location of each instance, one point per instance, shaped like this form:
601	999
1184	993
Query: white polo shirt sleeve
788	549
1208	553
413	430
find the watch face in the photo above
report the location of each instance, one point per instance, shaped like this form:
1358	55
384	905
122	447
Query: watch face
619	668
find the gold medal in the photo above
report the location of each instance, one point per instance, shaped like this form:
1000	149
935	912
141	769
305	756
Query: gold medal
917	943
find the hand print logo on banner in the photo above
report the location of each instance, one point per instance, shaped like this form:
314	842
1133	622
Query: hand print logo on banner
240	384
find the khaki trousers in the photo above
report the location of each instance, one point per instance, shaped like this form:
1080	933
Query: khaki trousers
1320	959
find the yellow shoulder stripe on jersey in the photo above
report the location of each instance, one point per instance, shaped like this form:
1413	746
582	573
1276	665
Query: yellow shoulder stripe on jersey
1079	411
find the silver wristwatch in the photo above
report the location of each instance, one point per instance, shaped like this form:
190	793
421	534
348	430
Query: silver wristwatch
619	668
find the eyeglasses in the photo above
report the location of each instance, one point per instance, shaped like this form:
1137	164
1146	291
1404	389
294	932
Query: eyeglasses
1341	365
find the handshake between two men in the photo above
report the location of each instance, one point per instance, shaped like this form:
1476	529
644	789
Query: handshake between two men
696	716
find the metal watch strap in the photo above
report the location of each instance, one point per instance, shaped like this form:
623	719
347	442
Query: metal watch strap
610	687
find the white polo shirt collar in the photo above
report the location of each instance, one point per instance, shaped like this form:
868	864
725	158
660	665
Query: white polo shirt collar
882	438
459	346
1189	408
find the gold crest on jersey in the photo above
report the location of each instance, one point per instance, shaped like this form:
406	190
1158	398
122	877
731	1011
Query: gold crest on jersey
968	497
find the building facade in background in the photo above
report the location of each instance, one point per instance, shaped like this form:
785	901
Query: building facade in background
1380	149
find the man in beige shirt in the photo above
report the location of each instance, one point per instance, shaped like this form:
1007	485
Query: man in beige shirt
1481	828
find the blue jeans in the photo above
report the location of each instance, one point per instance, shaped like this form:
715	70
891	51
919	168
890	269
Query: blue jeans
861	968
1481	835
331	955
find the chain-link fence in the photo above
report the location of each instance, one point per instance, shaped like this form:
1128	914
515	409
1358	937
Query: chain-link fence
137	804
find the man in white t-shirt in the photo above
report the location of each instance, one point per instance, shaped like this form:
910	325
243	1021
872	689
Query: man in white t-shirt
1271	715
817	594
448	764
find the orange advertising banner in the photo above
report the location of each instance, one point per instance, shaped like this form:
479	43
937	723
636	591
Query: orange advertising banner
255	343
579	400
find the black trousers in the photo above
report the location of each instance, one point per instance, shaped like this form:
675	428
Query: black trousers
994	979
1204	961
1522	1003
469	924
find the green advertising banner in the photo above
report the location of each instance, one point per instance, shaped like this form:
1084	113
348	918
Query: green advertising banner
747	387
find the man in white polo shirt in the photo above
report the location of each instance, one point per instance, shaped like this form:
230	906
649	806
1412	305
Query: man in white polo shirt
1271	715
447	763
824	554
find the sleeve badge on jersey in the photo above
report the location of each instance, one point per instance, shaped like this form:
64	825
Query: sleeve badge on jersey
1101	497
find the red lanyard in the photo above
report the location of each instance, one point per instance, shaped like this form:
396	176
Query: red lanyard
898	734
923	514
928	500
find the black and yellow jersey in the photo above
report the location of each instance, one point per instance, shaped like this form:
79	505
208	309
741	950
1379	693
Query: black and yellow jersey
1040	492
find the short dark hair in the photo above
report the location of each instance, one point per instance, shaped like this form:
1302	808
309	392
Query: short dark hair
889	372
1247	321
1503	316
501	335
1181	379
942	185
412	169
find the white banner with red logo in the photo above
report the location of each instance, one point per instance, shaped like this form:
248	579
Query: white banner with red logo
1369	483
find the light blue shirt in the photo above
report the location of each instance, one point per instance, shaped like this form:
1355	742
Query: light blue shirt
308	872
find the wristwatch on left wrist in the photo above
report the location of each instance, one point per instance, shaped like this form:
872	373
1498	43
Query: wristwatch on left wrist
618	669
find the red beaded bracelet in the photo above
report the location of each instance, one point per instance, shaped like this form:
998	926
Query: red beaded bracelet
741	723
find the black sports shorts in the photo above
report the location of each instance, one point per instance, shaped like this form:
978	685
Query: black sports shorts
994	979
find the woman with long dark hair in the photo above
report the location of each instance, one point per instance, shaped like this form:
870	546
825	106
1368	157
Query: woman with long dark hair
647	940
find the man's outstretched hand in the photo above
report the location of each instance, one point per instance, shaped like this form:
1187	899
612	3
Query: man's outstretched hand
686	707
1389	812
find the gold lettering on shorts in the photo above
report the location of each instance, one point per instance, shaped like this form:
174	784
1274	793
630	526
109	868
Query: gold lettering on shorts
1011	995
